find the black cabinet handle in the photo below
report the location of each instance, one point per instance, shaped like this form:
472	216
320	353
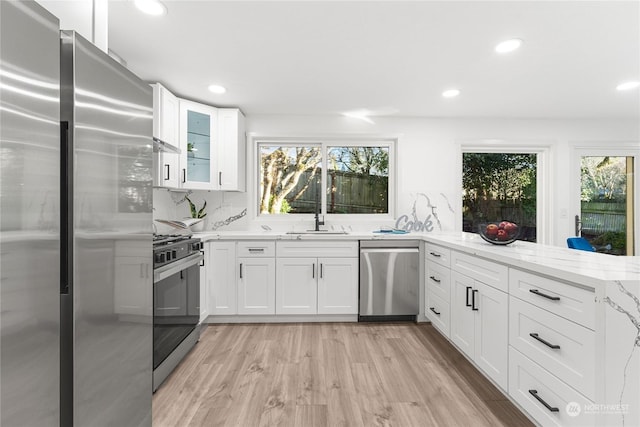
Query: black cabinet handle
202	262
313	270
252	250
166	178
534	393
219	178
537	292
434	310
435	254
468	304
184	175
547	343
473	300
434	279
241	270
321	271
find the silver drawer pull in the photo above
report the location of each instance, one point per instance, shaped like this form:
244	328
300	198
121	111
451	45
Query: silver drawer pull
545	342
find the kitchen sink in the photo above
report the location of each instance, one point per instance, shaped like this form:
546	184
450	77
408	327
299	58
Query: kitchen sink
320	232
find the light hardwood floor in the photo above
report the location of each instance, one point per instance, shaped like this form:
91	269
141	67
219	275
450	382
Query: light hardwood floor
329	374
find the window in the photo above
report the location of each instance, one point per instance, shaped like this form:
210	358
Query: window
324	177
500	186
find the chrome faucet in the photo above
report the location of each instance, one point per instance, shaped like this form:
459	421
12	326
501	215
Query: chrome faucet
318	222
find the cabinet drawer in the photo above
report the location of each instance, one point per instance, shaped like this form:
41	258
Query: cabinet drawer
438	254
317	249
438	280
526	377
256	249
573	358
490	273
438	311
571	302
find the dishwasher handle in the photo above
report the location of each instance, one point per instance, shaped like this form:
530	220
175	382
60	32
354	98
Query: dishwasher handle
389	250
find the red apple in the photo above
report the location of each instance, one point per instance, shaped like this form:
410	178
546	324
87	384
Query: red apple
491	230
511	228
503	224
502	235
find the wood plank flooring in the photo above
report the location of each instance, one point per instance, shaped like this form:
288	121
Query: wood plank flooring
329	374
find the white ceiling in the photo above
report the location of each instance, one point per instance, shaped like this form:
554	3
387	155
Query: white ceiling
390	57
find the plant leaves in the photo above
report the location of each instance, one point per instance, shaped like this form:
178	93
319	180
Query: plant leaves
192	207
201	213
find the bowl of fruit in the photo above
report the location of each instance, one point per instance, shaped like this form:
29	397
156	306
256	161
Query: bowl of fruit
499	233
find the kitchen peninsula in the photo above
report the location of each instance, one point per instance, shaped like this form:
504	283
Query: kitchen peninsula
551	327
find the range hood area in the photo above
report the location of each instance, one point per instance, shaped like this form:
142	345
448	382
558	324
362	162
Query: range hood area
160	146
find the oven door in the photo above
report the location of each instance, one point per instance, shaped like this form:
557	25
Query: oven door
176	301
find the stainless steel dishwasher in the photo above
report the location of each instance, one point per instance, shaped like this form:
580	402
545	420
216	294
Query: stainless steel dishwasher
389	280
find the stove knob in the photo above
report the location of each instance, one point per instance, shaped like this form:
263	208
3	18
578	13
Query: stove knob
169	258
195	246
174	254
159	257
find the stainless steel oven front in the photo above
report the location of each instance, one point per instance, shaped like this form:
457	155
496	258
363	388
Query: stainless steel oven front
176	314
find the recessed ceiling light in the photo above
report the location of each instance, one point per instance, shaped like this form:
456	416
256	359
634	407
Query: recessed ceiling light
361	115
217	89
451	93
151	7
628	85
508	45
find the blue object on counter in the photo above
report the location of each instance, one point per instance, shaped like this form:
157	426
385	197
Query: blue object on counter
394	231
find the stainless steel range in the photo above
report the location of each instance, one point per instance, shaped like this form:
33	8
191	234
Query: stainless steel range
176	301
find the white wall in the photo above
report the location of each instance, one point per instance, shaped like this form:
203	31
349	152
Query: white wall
428	158
87	17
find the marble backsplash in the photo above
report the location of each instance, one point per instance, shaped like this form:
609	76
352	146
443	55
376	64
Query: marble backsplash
423	212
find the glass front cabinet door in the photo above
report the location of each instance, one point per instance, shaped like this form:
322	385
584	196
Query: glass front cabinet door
198	134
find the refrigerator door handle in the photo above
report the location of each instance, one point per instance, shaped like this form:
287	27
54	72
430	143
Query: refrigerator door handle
66	222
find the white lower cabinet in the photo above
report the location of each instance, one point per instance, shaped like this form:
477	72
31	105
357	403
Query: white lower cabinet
296	286
203	304
547	399
479	316
256	285
133	272
338	286
438	312
222	278
564	348
317	278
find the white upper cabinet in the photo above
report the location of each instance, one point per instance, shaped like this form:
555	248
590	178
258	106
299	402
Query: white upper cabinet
198	157
231	150
165	128
212	141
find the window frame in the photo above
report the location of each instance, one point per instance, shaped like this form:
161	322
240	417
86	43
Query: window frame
544	202
324	143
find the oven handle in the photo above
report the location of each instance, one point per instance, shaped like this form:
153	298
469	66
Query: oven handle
176	267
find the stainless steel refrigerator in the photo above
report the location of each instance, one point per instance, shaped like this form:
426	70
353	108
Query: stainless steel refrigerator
75	236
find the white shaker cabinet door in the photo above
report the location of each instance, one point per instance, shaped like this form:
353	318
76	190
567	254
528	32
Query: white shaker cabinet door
462	316
296	291
492	332
338	286
221	277
256	285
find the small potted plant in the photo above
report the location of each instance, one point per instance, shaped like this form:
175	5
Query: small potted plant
197	213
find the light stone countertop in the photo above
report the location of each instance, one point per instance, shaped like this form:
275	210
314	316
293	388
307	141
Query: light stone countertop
588	269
